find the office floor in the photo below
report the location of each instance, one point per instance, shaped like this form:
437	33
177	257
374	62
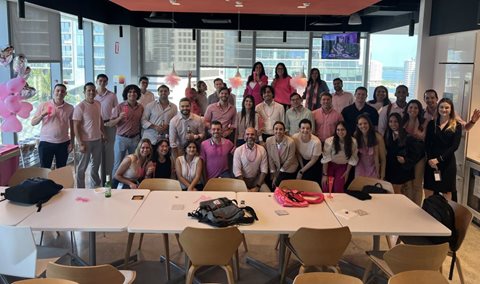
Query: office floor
111	246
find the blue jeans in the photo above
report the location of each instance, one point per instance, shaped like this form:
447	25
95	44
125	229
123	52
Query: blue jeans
47	150
122	147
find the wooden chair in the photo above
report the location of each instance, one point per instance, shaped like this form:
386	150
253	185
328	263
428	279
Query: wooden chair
300	184
154	184
23	173
63	176
359	182
407	257
214	246
160	184
225	184
317	247
45	281
463	219
99	274
418	277
325	277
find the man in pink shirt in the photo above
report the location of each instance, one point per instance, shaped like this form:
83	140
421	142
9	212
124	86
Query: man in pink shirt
146	96
224	112
88	127
56	117
108	100
127	117
340	98
326	118
215	153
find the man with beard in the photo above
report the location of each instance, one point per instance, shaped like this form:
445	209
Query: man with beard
248	159
185	127
157	116
340	99
223	112
215	153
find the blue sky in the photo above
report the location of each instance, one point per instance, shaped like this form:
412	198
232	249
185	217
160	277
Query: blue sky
392	50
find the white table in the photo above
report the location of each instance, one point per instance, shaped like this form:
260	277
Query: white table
387	214
13	213
162	213
88	211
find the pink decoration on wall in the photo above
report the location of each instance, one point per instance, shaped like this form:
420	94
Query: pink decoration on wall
15	85
236	81
298	82
25	110
3	91
13	103
172	79
11	124
4	112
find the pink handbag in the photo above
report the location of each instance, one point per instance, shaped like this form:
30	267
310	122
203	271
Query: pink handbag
295	198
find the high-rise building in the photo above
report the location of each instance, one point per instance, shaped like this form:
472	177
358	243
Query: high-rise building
409	74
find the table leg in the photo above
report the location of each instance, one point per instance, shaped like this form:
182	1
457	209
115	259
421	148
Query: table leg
376	243
92	248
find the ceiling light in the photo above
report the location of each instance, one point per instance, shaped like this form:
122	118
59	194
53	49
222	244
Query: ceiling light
355	20
174	2
305	5
216	21
325	23
238	4
154	18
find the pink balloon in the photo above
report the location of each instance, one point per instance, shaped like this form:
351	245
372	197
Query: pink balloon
15	85
25	110
13	103
4	112
11	124
3	91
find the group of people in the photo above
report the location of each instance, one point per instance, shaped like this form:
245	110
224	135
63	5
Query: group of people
279	134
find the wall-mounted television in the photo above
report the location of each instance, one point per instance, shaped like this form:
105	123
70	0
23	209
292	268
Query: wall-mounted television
341	46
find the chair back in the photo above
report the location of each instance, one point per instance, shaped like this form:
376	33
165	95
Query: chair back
99	274
300	184
463	219
63	176
418	277
325	277
22	174
160	184
359	182
45	281
211	246
405	257
225	184
19	252
315	247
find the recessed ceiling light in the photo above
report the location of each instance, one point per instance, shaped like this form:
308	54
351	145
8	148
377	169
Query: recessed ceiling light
305	5
174	2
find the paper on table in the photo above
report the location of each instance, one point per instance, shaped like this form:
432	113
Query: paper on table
346	214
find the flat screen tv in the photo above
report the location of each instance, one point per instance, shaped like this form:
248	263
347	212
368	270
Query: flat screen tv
341	46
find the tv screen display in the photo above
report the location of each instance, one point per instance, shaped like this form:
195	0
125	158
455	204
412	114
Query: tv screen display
341	46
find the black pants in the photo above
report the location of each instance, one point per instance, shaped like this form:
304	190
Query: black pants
47	151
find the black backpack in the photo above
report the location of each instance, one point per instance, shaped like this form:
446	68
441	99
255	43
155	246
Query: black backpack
33	191
223	212
437	206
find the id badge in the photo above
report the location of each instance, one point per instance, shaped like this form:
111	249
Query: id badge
437	176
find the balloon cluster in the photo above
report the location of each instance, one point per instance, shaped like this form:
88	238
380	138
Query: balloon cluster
172	79
14	91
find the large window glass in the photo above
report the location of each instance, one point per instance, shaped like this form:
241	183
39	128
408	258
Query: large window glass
98	49
392	61
73	59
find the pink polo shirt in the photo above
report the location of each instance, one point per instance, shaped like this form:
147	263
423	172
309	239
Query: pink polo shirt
341	100
89	114
108	101
55	127
325	123
132	124
194	105
226	115
215	156
283	90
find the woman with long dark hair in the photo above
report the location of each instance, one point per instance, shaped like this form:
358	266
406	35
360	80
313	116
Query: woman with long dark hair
315	86
380	98
441	141
246	118
162	165
189	168
255	82
281	84
339	156
371	149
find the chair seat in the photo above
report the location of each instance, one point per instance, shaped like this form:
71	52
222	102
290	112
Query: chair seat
129	275
377	258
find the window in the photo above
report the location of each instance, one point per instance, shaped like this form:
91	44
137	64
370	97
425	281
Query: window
98	49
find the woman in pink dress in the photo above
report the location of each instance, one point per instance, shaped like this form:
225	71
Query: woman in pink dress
371	149
281	85
255	81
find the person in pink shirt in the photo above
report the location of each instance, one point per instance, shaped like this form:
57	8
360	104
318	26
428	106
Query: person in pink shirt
315	86
281	85
340	99
147	96
326	118
215	153
198	97
224	112
56	117
255	82
88	127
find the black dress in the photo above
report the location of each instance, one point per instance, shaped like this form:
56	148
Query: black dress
163	170
412	152
441	144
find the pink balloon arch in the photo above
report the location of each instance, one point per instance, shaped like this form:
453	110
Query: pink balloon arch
11	99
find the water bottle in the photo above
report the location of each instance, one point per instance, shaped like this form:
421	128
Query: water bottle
108	187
